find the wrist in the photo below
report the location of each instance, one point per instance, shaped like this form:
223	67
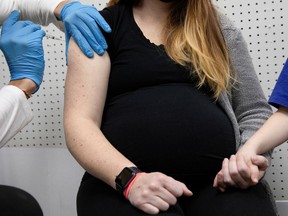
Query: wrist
125	177
26	85
127	190
247	148
58	9
253	146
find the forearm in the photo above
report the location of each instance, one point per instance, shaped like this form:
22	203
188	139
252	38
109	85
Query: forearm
92	150
273	133
39	11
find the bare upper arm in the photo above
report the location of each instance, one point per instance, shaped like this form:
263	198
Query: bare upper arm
86	84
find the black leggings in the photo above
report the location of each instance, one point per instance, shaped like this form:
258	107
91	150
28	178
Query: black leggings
98	199
16	202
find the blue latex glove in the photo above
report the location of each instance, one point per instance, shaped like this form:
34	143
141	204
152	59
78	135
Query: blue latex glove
81	22
21	43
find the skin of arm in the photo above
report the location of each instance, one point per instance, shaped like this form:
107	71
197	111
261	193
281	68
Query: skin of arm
273	133
248	166
26	85
85	96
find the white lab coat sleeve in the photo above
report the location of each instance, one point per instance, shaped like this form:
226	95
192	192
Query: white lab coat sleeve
38	11
15	112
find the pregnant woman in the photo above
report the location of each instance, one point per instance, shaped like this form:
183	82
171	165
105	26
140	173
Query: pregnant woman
154	117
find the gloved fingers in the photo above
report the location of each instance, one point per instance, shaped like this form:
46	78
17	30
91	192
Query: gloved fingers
100	20
36	36
41	33
88	21
24	29
21	24
19	34
87	34
86	9
81	41
10	21
94	34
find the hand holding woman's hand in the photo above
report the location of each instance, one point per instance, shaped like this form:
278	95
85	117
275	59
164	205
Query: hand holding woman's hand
155	192
242	170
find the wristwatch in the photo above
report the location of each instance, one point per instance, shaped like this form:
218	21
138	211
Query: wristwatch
125	177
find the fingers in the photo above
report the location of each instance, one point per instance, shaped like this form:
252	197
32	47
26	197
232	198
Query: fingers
260	161
149	209
162	201
81	41
91	31
223	178
11	20
177	188
100	21
239	172
255	174
154	192
261	164
250	171
23	27
227	179
219	182
98	42
152	204
26	28
83	23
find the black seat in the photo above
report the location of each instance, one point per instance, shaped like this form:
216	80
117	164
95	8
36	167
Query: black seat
17	202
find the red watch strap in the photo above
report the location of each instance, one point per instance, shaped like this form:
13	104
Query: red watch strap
127	190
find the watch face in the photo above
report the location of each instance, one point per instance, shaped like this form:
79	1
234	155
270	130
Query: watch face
125	177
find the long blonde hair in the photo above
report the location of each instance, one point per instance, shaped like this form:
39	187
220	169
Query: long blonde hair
194	39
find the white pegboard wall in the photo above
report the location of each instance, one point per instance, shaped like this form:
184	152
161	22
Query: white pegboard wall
264	24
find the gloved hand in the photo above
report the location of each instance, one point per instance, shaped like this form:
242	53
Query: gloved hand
81	22
21	43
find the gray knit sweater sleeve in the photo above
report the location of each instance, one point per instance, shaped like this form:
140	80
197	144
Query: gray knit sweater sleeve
246	106
247	99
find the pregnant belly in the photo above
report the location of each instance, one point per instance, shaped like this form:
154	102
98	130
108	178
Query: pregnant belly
174	129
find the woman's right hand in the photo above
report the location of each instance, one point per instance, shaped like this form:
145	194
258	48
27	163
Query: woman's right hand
155	192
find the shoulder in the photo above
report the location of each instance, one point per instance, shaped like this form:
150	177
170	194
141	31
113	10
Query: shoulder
226	23
112	13
229	29
231	33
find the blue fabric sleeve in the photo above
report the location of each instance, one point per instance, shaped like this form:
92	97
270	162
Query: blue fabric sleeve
279	95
